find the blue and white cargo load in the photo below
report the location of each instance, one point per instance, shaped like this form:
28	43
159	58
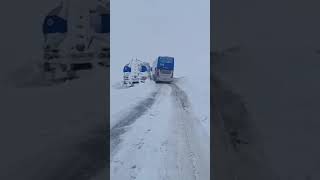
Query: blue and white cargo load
162	69
76	37
55	29
126	74
100	23
144	72
136	71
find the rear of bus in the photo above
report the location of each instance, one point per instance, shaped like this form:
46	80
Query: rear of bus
163	71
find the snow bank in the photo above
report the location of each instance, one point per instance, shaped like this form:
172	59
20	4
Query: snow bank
194	79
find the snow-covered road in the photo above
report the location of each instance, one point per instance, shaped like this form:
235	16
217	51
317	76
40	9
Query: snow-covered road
160	138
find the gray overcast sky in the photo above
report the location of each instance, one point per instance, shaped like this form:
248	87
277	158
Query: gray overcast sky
148	28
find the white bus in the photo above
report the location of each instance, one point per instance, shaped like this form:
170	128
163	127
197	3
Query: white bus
162	69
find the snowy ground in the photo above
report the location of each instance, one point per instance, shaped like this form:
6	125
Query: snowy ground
158	135
64	128
123	99
198	92
276	72
152	135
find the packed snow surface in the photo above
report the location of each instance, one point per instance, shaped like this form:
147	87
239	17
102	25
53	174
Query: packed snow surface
157	135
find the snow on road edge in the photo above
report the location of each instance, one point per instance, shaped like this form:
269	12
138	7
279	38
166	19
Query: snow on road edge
198	93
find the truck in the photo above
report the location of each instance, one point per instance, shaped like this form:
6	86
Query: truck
76	37
136	71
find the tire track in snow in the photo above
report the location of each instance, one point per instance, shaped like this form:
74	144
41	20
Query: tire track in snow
182	99
171	142
148	160
128	119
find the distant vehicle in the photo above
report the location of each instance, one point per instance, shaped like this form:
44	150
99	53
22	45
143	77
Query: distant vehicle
134	66
162	69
